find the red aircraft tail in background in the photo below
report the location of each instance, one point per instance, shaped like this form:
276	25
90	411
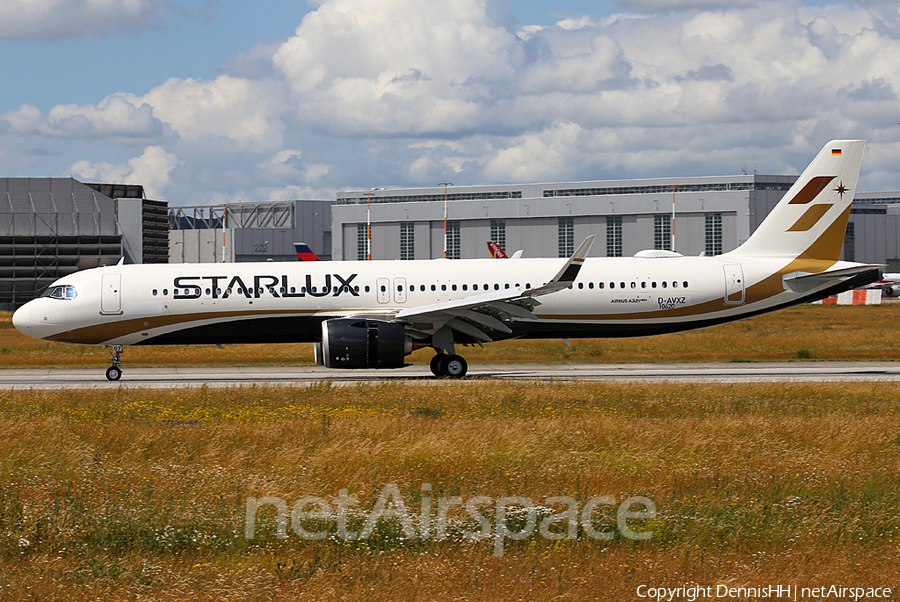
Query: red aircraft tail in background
496	250
304	253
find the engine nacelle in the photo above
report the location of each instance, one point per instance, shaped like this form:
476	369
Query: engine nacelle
892	291
357	343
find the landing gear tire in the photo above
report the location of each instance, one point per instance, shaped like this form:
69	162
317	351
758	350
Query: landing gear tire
114	372
437	364
455	366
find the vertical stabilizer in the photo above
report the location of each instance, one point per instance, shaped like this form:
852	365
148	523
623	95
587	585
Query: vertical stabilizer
811	219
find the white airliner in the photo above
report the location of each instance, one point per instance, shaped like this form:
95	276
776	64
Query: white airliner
889	285
372	314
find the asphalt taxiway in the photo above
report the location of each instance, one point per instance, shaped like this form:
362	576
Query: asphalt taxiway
173	377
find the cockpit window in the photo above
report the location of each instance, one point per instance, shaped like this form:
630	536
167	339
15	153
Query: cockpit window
64	291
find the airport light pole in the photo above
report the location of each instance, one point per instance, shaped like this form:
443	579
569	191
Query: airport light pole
369	226
445	184
223	233
673	218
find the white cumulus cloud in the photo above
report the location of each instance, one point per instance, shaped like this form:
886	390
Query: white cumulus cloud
116	116
152	169
21	19
403	67
245	112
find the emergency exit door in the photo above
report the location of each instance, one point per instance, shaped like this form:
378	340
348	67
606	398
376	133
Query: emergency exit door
734	284
111	294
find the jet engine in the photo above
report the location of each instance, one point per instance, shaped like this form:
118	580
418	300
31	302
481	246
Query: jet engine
357	343
892	291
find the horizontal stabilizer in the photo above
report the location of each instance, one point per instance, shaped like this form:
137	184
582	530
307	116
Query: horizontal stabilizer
804	283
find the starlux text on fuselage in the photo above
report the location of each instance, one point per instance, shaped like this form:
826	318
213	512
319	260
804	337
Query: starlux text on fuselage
190	287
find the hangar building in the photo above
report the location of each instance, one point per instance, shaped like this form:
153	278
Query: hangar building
241	232
52	227
712	215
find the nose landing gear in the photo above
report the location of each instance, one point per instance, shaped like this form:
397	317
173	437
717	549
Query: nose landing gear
454	366
114	372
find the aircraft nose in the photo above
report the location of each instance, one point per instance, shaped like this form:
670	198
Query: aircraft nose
21	319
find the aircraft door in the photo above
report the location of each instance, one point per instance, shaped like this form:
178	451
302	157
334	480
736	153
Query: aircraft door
382	286
111	294
734	284
399	290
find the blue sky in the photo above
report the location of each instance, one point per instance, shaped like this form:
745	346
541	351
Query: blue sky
210	101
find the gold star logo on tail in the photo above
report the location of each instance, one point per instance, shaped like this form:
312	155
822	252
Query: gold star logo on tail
841	189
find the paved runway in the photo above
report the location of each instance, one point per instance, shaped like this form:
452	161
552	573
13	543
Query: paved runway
61	378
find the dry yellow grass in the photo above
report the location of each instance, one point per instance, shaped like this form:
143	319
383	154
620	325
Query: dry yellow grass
805	332
126	494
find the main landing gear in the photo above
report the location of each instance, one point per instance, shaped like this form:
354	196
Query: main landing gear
114	372
454	366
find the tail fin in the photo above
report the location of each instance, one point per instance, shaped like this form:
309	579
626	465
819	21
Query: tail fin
304	253
811	220
496	250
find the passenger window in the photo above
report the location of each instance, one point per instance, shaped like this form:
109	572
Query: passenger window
454	287
383	289
506	285
155	292
634	285
208	292
527	285
443	287
674	285
496	287
165	292
653	284
621	285
474	287
600	285
644	284
422	288
590	285
665	285
433	287
612	285
293	289
581	285
465	287
685	284
367	288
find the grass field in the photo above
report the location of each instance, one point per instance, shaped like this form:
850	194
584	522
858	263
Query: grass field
130	494
127	494
806	332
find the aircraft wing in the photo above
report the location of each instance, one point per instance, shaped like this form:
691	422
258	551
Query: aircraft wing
471	315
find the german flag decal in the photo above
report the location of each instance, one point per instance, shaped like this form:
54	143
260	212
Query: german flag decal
835	152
